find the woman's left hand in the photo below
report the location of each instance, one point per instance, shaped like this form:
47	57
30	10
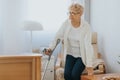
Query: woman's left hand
90	70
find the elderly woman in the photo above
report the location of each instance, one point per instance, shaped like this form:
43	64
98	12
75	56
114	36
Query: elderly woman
76	36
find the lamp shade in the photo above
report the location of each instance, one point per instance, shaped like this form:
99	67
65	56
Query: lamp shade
32	26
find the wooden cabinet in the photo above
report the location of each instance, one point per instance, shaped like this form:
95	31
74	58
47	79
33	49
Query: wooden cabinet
20	67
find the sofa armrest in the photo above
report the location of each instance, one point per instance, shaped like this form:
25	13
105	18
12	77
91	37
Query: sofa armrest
58	61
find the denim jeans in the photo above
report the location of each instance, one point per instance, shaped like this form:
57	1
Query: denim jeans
73	68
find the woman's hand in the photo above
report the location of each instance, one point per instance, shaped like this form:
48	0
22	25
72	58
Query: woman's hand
48	51
89	70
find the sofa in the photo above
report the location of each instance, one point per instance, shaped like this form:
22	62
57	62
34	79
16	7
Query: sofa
99	67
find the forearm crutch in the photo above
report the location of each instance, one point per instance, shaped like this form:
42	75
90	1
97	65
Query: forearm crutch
58	41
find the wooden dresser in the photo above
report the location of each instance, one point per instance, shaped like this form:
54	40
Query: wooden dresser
25	66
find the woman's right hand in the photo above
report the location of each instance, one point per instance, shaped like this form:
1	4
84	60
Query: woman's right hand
47	51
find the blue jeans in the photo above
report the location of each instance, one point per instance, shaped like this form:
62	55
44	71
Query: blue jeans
73	68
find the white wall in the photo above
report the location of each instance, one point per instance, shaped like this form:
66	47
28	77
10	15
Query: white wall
0	26
105	19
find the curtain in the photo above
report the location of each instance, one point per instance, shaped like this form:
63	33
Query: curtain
12	37
51	14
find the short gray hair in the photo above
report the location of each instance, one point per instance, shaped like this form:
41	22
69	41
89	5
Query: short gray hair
77	7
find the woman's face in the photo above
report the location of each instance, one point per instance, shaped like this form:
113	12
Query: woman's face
73	15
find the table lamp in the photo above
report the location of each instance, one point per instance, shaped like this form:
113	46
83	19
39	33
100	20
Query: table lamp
32	26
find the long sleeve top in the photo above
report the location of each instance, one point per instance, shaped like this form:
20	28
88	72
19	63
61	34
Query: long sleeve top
85	46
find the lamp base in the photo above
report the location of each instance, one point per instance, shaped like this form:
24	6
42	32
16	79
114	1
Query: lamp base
36	50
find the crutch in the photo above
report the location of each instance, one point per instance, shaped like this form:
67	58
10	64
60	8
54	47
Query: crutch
58	41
